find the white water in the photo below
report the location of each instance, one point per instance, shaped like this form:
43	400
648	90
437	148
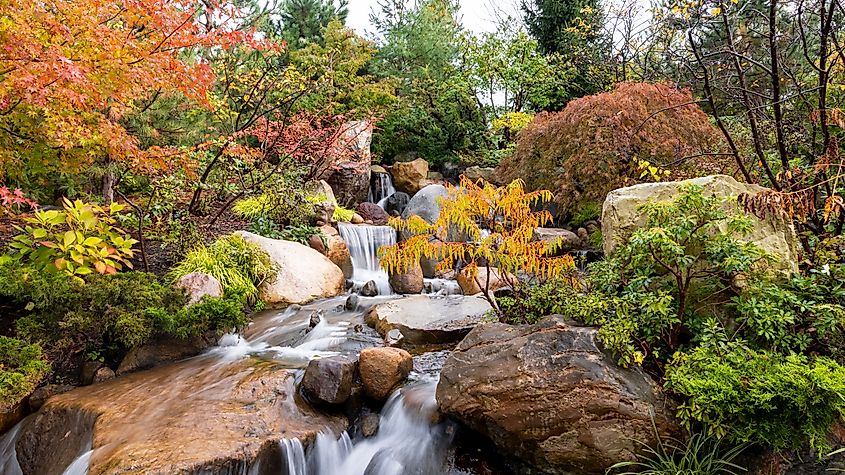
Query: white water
407	442
380	189
441	287
363	242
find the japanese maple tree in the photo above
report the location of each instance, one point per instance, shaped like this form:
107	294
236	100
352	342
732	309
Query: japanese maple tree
71	70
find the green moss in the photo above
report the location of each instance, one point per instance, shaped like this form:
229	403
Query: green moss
22	366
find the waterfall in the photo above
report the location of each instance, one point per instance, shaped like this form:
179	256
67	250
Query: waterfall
407	442
293	456
381	187
363	242
8	455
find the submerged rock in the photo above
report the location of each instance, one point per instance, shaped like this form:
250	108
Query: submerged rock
161	350
383	369
189	417
330	380
621	216
303	273
42	394
548	394
427	320
198	285
370	289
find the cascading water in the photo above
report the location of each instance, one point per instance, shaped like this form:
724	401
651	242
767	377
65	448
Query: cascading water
381	187
408	442
363	242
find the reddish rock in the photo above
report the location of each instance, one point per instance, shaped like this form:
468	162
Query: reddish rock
383	369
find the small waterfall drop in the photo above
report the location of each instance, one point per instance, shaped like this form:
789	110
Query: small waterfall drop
363	242
408	442
381	187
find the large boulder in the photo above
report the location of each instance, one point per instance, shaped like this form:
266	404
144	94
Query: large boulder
198	285
470	286
548	394
383	369
621	216
349	177
408	282
303	273
428	320
425	203
337	250
189	417
410	176
330	380
11	414
373	213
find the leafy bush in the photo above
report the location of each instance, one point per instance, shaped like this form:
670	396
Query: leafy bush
80	240
240	266
302	234
700	455
13	201
552	152
758	396
587	211
107	314
803	313
289	206
22	367
264	226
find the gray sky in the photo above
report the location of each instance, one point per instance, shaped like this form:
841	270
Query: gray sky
477	15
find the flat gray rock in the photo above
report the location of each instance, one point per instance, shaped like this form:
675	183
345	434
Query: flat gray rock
428	320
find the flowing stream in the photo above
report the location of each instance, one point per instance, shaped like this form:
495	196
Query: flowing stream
363	242
410	439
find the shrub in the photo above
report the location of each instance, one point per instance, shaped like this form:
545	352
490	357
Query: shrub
342	215
758	396
80	240
587	211
240	266
22	366
588	149
507	212
264	226
302	234
14	201
107	314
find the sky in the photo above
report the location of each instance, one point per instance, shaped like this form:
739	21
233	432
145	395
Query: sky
477	15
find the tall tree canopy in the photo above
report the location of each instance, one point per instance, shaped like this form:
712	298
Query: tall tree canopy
302	21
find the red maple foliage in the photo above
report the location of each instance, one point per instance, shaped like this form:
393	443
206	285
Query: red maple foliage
591	147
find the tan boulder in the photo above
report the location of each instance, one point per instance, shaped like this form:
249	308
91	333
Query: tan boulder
198	285
409	282
471	286
383	369
303	274
410	176
620	215
567	239
336	250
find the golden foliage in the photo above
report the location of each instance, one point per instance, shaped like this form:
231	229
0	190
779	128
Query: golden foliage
481	224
